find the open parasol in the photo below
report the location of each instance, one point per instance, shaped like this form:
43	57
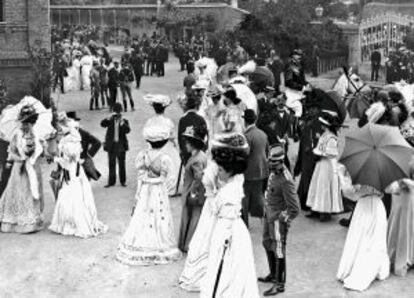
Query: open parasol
331	101
262	77
9	122
246	95
376	155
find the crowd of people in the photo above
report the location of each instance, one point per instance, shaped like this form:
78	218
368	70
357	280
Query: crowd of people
239	118
400	66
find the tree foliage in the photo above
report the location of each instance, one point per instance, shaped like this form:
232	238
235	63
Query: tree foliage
286	25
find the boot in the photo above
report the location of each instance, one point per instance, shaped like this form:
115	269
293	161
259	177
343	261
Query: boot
271	259
279	284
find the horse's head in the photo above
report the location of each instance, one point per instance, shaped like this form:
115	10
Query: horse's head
346	85
355	84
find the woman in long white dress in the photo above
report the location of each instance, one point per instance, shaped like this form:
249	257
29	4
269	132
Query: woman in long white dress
75	212
72	81
400	239
197	258
233	115
364	257
160	103
21	204
324	196
230	270
86	64
149	238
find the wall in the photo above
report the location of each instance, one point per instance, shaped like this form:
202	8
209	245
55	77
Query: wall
26	25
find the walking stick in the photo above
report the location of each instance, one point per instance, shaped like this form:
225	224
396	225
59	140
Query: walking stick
226	245
177	186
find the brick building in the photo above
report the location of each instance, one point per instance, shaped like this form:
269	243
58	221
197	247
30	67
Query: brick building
24	25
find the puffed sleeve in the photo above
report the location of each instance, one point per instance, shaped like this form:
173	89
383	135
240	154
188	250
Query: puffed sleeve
167	173
331	149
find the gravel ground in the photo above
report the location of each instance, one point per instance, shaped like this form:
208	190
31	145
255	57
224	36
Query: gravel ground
50	265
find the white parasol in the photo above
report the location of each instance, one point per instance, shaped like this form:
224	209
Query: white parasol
9	122
246	95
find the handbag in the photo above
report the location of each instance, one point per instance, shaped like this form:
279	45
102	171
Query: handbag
90	169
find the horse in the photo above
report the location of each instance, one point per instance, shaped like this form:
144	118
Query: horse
355	93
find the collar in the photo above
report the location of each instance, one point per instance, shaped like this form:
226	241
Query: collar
189	111
250	127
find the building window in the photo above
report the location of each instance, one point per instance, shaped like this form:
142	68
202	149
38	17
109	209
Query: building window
1	11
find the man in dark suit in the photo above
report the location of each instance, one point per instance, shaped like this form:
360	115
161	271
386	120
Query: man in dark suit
190	118
277	123
116	144
375	64
113	83
256	173
90	146
137	63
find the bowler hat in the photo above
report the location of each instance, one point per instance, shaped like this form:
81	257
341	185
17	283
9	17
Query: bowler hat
249	116
72	115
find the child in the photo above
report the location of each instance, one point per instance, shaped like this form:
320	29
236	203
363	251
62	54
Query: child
193	190
281	207
150	238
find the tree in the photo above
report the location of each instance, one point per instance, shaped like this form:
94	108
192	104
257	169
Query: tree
286	25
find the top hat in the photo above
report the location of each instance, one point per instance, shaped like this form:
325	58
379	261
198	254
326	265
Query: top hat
72	115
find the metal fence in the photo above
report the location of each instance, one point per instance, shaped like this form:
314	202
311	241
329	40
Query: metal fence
328	64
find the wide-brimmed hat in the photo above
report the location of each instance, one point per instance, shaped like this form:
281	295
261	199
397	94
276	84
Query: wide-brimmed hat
200	85
324	121
297	52
230	148
156	133
276	153
164	100
195	133
215	91
72	115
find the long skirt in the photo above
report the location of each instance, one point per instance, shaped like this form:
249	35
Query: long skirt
149	238
20	212
237	277
75	212
364	257
401	233
197	259
324	191
189	220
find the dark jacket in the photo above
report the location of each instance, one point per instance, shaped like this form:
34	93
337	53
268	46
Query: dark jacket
113	78
137	62
190	118
126	75
281	196
276	126
295	77
257	168
90	144
376	58
124	129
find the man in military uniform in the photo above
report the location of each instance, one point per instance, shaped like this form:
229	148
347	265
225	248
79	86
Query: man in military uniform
281	207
